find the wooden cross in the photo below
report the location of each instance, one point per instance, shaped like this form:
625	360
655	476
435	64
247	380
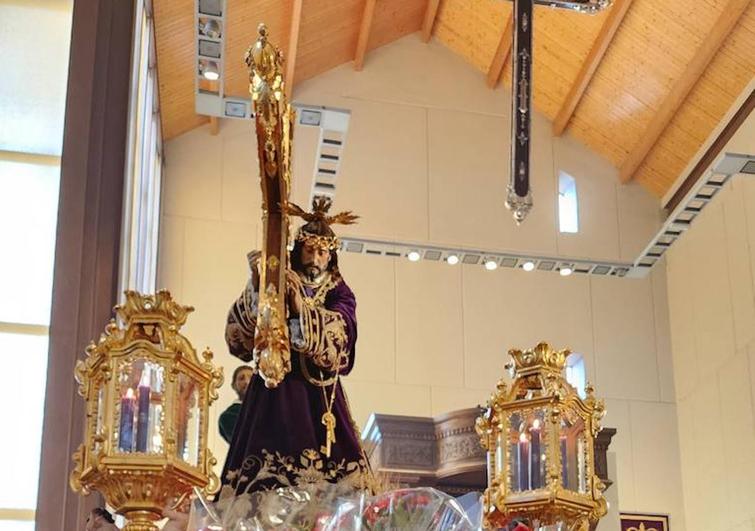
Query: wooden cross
519	195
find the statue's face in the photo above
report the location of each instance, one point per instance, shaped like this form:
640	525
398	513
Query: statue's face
314	260
241	382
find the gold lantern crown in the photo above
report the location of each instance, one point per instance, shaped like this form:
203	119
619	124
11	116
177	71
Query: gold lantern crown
153	308
542	358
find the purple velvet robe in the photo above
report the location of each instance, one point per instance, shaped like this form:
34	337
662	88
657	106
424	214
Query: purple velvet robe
278	437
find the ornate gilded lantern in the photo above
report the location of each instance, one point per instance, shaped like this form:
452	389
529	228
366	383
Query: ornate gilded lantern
539	436
147	397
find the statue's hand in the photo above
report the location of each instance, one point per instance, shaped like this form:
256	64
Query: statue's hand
294	289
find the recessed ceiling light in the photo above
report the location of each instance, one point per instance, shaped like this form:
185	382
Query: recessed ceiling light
491	265
210	27
413	256
452	259
565	271
528	266
209	70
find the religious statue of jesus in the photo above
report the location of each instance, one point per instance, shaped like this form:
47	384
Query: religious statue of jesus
300	432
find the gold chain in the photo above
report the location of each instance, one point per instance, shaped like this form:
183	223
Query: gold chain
328	419
321	291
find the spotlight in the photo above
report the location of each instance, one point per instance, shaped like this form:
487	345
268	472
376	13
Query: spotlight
452	259
565	271
209	27
528	266
209	70
491	265
413	256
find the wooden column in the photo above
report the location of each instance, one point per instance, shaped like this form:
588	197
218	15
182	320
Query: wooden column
88	237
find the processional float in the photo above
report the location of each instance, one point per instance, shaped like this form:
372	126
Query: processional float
148	393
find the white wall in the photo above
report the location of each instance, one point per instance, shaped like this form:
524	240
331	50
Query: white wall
710	293
425	160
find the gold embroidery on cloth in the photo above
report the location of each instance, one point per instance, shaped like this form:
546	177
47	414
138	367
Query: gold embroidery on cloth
324	331
325	337
321	288
310	468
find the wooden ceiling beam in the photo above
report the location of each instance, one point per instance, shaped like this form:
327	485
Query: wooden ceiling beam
501	53
364	34
590	65
293	46
715	148
427	24
711	43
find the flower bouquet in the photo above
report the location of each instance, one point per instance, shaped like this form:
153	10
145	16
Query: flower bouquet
329	508
417	509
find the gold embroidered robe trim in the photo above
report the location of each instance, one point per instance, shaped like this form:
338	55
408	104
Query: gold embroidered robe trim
310	468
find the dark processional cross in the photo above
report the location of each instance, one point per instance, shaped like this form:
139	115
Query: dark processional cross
519	194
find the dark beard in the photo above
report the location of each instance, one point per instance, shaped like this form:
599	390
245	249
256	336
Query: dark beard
312	272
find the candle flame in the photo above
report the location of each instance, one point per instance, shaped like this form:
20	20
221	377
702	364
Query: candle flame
130	393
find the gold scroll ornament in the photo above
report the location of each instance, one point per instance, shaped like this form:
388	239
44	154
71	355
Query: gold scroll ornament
273	117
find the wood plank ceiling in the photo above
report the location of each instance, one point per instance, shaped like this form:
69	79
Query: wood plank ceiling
668	69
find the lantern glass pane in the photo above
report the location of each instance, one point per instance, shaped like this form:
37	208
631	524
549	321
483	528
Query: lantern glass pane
572	450
526	450
140	407
188	421
99	427
500	447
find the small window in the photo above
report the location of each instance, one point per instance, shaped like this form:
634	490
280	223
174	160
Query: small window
568	216
575	373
